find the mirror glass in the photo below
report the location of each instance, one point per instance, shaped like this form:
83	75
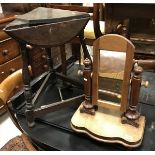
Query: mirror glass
111	73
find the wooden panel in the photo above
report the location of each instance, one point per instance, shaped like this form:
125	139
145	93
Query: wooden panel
11	66
8	50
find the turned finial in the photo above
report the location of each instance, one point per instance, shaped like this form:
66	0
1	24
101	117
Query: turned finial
87	62
138	70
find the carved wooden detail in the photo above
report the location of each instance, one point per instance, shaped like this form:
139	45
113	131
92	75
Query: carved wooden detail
88	107
132	115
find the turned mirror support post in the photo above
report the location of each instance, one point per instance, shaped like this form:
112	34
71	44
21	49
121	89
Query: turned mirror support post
132	115
87	107
27	87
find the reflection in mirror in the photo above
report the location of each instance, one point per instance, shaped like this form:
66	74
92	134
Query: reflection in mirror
111	73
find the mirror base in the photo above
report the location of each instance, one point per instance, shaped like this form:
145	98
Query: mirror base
106	126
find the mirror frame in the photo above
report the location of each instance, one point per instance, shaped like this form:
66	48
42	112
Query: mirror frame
116	43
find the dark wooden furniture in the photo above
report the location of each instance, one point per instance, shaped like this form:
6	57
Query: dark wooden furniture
20	8
45	27
93	29
10	59
136	22
10	55
38	56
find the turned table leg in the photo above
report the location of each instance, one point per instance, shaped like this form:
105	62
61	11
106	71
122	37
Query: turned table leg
49	59
27	87
63	59
132	115
87	107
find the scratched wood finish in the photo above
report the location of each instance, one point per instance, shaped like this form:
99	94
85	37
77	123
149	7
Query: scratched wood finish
115	43
55	30
47	40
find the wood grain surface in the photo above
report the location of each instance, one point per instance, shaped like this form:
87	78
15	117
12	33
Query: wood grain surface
106	126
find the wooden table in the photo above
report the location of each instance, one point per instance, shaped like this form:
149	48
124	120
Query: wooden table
46	28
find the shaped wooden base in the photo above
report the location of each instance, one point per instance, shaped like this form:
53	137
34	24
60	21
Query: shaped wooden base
106	126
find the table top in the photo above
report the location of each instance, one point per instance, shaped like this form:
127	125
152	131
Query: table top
55	127
47	27
43	15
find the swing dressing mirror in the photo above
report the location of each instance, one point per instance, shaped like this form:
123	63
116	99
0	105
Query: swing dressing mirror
107	83
112	65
